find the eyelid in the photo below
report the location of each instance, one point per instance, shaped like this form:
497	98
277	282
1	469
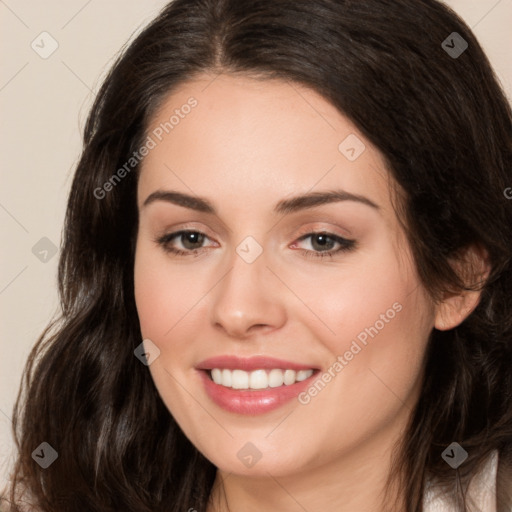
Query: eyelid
177	228
316	229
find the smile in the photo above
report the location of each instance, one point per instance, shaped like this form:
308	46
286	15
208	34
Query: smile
258	379
255	385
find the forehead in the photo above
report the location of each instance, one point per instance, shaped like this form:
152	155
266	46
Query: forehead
257	140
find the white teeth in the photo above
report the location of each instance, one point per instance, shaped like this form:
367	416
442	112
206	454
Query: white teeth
303	375
258	379
275	378
289	377
240	379
226	378
217	376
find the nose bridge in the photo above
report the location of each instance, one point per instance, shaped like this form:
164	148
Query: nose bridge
246	296
246	278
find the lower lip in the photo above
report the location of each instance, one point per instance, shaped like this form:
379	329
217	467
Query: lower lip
252	401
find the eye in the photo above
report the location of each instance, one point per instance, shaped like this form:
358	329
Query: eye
322	244
190	240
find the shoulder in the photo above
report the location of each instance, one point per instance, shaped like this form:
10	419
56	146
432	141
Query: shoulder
481	493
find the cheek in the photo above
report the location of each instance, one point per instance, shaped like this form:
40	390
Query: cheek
378	355
150	291
359	300
164	293
374	320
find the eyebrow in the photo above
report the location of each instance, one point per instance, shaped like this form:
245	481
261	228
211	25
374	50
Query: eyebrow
285	206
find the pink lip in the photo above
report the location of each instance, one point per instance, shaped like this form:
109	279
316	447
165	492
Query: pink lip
250	364
251	401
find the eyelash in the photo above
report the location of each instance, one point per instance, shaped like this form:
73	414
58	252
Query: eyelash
345	244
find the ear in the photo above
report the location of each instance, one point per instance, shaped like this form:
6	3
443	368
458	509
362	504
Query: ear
474	267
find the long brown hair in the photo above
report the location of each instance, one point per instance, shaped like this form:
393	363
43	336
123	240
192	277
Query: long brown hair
443	125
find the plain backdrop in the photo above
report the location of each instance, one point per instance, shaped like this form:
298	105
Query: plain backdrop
44	101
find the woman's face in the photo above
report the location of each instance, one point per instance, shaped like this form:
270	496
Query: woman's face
251	169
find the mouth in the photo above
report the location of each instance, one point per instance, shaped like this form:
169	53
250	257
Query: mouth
253	386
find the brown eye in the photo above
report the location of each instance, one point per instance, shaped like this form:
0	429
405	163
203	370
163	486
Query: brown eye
191	238
322	244
191	242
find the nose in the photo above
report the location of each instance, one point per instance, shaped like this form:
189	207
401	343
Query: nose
249	299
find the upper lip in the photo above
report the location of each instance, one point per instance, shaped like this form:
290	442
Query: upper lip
250	363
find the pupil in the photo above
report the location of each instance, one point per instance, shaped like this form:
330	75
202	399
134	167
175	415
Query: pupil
322	241
193	238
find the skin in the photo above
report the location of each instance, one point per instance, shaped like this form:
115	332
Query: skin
247	145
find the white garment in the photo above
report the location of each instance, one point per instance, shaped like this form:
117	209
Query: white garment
481	496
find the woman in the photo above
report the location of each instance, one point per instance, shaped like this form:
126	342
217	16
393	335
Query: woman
286	272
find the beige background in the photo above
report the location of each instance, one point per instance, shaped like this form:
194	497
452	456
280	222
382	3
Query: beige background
44	103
